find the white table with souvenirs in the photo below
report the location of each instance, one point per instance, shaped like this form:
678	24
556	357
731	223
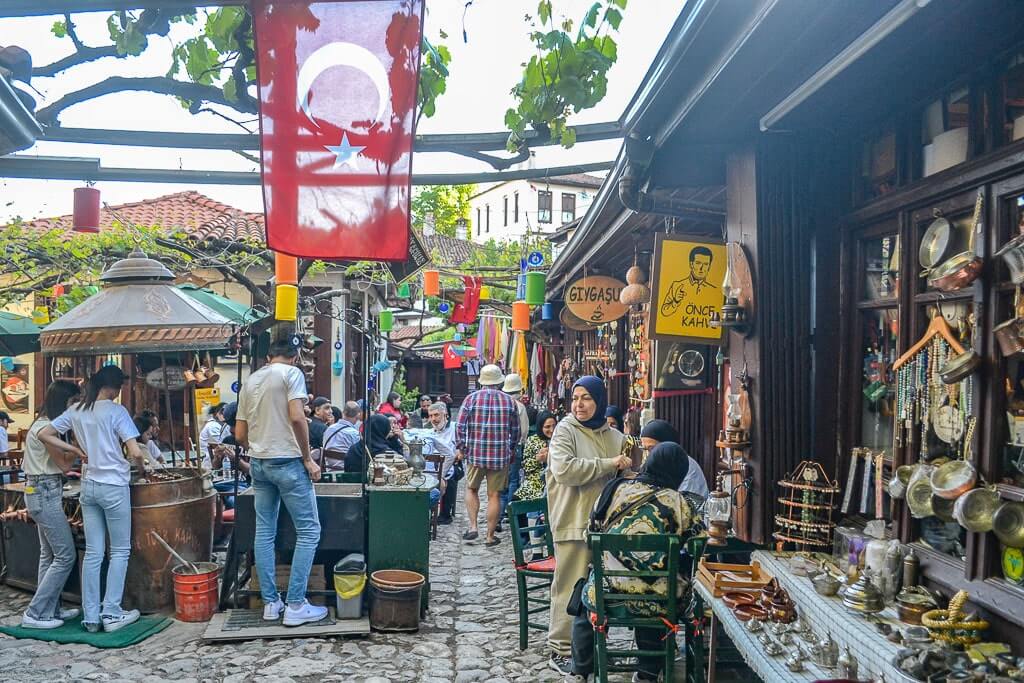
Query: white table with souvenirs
818	617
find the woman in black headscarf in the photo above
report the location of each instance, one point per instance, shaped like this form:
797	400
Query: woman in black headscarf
648	504
376	440
613	414
660	431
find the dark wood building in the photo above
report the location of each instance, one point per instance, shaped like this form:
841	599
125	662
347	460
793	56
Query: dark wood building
825	138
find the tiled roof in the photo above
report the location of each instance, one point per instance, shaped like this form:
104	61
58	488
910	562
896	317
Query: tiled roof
449	251
196	214
577	179
405	336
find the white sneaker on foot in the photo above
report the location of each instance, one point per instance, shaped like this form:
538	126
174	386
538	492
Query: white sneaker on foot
70	613
113	622
29	622
272	611
303	614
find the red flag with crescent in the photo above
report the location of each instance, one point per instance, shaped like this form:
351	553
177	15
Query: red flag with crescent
450	360
337	88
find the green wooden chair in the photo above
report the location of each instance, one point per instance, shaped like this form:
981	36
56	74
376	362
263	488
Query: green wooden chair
533	577
611	610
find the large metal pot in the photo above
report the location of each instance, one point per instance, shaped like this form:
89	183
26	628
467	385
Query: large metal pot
1013	254
1008	524
182	511
1010	336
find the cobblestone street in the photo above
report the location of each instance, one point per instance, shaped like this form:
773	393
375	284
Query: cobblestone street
469	634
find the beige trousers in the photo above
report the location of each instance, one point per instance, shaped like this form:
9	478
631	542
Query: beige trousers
572	561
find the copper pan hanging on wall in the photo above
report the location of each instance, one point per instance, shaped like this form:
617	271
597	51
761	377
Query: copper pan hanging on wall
964	268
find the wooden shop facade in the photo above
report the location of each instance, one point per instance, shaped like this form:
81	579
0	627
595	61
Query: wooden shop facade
866	162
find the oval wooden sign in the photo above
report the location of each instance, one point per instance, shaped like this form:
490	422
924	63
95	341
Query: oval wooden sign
574	323
595	299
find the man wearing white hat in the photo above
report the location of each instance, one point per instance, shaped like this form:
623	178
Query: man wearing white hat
487	433
514	387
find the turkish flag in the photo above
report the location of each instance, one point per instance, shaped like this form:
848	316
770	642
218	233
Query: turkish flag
466	311
337	88
450	359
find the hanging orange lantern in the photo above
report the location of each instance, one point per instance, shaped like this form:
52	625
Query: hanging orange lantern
86	211
521	316
286	269
431	282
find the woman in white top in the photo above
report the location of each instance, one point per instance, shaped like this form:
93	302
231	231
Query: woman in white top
212	433
100	426
44	490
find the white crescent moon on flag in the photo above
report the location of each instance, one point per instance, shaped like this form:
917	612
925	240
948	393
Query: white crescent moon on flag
342	54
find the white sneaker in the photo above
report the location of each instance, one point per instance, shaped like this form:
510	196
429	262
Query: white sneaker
29	622
303	614
272	611
575	678
70	613
113	622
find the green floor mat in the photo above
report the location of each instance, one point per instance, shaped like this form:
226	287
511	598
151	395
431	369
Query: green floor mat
72	632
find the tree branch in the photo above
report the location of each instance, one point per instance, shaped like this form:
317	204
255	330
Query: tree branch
80	56
192	92
259	296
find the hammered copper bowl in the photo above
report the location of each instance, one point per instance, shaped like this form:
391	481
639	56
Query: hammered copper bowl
1008	524
751	611
953	479
975	509
734	599
919	498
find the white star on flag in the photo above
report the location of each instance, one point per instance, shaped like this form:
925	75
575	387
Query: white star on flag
345	153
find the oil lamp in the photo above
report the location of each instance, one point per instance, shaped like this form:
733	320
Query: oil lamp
733	314
718	516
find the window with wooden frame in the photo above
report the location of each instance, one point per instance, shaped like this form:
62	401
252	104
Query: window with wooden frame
543	206
568	207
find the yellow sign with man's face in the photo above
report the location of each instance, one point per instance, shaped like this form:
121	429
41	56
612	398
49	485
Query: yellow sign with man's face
688	275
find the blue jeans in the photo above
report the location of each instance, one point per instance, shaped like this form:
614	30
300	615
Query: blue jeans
277	480
106	509
57	552
514	477
225	486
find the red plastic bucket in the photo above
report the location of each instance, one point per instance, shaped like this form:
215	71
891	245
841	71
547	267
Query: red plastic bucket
195	595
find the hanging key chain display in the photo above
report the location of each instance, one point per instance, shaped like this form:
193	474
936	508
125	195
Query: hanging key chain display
637	350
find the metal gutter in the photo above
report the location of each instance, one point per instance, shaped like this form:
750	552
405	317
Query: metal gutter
16	122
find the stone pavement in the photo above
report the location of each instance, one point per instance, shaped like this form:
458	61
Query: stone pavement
470	633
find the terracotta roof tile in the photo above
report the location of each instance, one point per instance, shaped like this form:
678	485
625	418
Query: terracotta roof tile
449	251
196	214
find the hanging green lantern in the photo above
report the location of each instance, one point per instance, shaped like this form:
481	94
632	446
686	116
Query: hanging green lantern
404	291
386	321
535	284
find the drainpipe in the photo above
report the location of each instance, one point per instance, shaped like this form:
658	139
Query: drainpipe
638	156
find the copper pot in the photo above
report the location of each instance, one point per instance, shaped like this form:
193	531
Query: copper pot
953	479
960	367
1010	336
957	272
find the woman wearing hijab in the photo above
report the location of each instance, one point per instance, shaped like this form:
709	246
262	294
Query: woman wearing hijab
376	439
535	458
648	504
583	455
631	445
660	431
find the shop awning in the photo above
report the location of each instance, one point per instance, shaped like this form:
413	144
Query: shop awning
237	313
18	334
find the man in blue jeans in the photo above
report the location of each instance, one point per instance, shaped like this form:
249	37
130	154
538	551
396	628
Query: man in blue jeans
271	423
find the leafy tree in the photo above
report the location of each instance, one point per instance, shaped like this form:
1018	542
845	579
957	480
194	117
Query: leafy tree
568	74
448	203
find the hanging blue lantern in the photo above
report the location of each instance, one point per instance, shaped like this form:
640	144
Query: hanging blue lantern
457	336
443	307
547	311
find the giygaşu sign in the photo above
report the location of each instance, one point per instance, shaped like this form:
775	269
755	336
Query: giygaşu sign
595	299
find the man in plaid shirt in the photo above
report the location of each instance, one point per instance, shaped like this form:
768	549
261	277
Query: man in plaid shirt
487	433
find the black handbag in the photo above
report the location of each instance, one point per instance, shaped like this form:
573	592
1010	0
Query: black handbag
575	606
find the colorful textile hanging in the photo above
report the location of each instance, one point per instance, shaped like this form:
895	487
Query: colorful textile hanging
337	142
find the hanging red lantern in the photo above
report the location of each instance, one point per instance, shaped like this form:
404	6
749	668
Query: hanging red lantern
86	213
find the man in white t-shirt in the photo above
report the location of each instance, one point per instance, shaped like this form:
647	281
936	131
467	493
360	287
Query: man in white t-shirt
271	424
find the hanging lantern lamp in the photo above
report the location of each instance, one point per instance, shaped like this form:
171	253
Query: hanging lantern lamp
404	291
547	311
386	321
431	282
485	292
86	212
521	316
286	302
444	307
535	283
286	269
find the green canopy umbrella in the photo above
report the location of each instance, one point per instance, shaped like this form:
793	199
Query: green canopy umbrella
232	310
18	334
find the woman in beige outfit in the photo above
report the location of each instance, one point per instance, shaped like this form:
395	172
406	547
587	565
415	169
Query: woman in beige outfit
583	455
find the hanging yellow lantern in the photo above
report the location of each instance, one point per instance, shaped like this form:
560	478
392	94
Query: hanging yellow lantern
41	315
286	302
485	292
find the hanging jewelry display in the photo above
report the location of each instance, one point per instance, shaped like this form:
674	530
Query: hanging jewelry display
808	500
637	346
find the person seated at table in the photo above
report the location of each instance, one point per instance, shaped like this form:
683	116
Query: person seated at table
660	431
211	433
393	406
420	418
341	435
648	504
321	419
148	429
397	436
230	450
443	440
377	439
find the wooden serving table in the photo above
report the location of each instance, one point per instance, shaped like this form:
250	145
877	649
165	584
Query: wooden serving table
826	615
